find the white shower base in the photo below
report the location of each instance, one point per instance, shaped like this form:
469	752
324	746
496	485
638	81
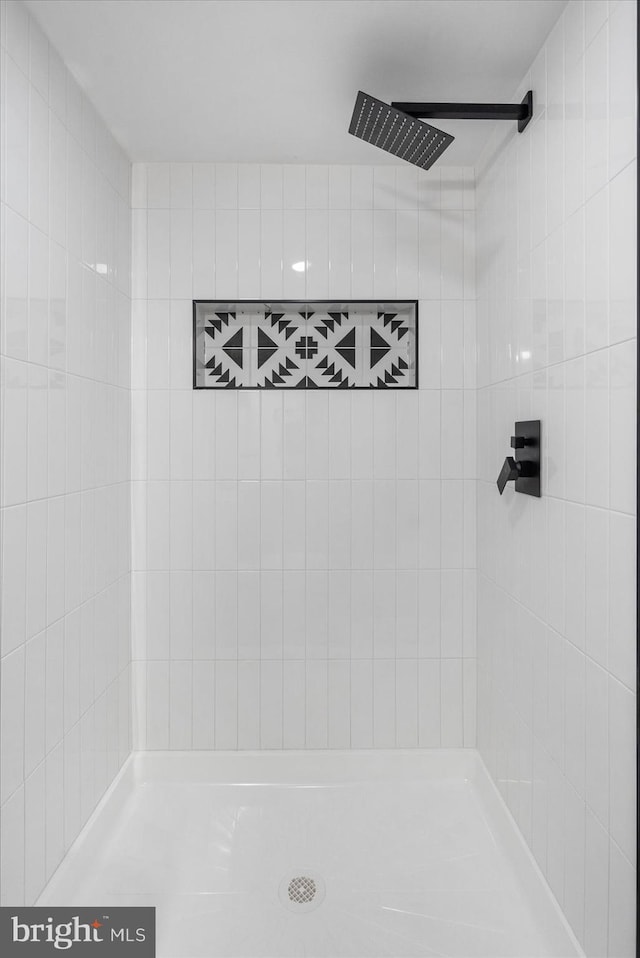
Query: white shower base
412	853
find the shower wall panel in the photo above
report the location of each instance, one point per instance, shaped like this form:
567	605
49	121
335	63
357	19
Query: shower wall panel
304	559
556	576
65	500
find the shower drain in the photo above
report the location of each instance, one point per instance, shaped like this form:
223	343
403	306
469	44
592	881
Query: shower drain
302	890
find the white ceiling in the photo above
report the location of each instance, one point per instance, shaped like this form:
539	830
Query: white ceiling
274	81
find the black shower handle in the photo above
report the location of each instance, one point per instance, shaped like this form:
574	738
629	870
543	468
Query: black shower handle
515	470
508	472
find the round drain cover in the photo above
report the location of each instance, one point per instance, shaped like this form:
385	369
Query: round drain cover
301	890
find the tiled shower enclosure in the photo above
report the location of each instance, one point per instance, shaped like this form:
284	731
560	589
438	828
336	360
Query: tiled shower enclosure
252	415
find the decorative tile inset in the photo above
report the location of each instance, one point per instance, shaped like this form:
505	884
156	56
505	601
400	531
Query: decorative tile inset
319	345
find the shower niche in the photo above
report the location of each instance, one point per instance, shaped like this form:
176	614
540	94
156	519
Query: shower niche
305	344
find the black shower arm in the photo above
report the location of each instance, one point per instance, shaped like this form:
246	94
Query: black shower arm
521	112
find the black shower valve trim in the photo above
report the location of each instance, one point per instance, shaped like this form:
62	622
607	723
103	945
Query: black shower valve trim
524	469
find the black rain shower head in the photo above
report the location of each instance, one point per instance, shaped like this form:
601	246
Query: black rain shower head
397	129
397	132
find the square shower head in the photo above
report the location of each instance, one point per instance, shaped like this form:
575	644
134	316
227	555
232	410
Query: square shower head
397	132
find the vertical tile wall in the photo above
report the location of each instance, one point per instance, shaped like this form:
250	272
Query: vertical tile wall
556	576
304	562
65	497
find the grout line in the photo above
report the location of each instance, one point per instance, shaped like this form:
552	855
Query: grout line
560	635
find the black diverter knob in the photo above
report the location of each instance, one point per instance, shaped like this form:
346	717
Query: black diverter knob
508	472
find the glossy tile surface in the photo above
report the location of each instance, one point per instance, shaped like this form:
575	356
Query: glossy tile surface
556	211
316	544
65	329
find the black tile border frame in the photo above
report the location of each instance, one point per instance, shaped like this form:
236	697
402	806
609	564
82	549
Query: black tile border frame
306	302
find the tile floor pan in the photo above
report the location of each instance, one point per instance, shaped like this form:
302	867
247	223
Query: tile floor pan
404	853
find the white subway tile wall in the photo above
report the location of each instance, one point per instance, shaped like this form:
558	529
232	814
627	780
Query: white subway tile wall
556	244
65	450
304	563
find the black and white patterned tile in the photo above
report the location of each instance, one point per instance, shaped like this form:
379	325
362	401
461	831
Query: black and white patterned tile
305	345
